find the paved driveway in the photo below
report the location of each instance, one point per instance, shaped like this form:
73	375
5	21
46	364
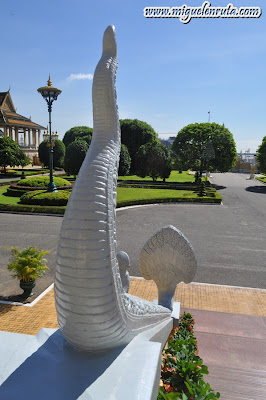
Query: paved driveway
229	239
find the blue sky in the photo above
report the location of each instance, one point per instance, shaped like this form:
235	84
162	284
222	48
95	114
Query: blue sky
170	74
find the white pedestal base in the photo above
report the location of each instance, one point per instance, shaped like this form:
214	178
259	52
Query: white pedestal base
47	367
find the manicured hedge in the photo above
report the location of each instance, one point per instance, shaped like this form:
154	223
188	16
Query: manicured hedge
182	372
216	199
44	198
159	185
32	188
6	182
13	192
42	209
261	178
25	172
32	209
42	181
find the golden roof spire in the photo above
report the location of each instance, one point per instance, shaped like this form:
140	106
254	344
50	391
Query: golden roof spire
49	82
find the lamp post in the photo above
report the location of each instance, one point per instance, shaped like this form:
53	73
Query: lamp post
50	93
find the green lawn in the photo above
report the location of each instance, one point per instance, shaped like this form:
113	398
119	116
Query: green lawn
262	179
174	177
127	196
18	172
7	199
65	176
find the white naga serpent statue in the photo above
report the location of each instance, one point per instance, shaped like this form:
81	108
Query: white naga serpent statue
94	312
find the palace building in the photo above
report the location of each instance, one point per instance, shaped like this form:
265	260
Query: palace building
21	129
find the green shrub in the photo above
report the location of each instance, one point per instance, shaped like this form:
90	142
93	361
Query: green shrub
216	199
261	178
182	369
25	172
44	198
77	132
42	181
75	154
124	161
32	209
201	191
27	264
58	153
12	192
156	185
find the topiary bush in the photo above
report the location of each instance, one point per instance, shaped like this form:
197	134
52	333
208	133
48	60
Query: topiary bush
75	154
135	133
58	153
44	198
13	192
77	132
42	181
124	161
201	191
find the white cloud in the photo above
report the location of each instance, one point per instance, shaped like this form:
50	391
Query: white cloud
79	76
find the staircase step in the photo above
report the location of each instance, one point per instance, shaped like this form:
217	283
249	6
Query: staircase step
234	352
234	349
229	324
236	383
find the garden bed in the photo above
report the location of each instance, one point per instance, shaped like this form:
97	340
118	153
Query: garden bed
261	179
125	197
182	369
159	185
12	173
133	196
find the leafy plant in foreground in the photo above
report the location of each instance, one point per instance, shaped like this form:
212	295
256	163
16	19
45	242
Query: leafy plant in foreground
182	368
27	264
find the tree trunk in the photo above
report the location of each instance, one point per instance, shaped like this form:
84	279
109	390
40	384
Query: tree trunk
201	167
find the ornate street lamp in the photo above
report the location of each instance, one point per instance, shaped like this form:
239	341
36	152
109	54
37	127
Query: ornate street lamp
50	93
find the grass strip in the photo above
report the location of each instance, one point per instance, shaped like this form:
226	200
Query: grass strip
175	176
8	203
262	179
11	173
133	196
125	197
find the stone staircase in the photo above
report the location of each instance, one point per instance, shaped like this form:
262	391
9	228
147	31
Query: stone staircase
233	347
237	384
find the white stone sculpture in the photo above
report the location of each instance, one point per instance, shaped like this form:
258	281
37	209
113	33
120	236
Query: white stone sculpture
94	312
124	265
168	258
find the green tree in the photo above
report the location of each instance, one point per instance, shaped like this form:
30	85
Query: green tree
261	155
153	159
124	161
190	147
24	161
86	139
135	133
75	154
76	132
11	154
167	163
208	150
59	151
